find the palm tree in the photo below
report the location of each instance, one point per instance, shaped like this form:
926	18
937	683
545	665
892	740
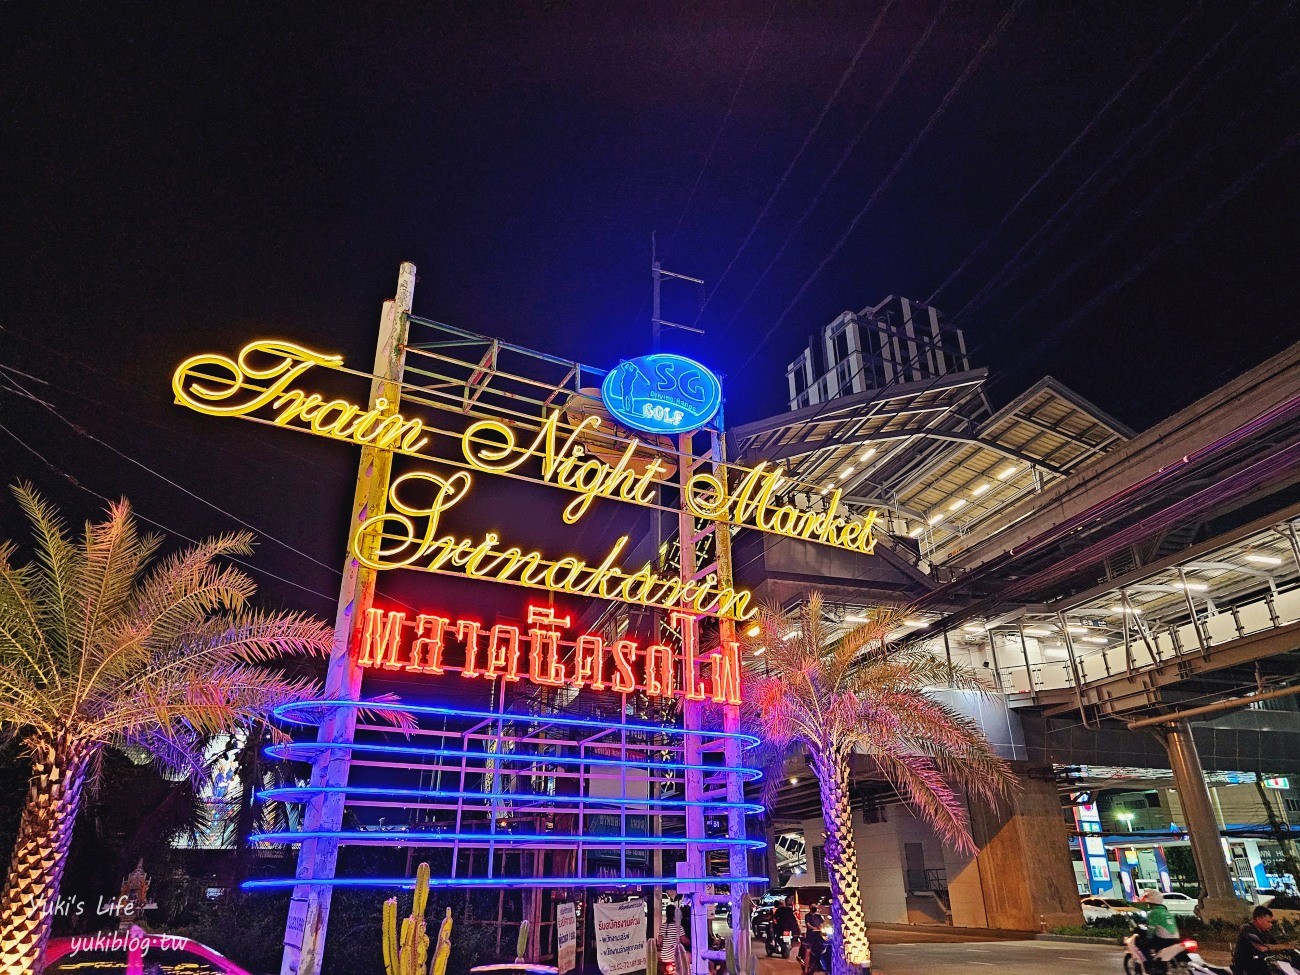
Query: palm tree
104	645
837	696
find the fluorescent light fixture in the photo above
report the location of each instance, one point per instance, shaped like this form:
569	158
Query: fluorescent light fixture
915	622
856	619
981	489
1038	632
791	634
754	630
916	531
823	491
867	454
1133	610
1077	629
1095	639
957	505
759	651
975	628
846	472
1263	559
935	519
1008	472
1192	586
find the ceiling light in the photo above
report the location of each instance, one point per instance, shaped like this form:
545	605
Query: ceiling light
1008	472
856	619
759	651
1095	639
957	505
1077	629
754	630
1192	586
791	635
867	454
916	531
981	489
846	472
1126	609
1263	559
1038	632
935	519
975	628
794	780
916	622
823	491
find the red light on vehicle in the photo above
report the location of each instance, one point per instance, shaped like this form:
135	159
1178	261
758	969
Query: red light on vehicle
1189	944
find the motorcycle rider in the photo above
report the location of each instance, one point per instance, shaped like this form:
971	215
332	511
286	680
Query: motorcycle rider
1162	929
784	921
1254	944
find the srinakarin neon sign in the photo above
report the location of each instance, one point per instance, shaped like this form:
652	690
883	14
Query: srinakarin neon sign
250	383
506	653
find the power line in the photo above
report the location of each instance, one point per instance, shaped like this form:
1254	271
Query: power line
72	479
726	118
999	281
969	70
871	33
844	156
1064	154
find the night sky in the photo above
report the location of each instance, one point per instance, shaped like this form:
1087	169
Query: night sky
1102	192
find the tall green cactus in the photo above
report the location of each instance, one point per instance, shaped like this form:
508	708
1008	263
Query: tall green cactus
410	954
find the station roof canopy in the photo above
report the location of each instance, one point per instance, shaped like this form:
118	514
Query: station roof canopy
932	453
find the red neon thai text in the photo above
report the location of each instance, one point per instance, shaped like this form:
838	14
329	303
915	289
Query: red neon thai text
388	641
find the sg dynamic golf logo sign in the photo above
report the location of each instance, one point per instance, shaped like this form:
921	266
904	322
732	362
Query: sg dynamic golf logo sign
661	393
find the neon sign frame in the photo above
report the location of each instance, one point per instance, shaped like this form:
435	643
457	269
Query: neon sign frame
661	393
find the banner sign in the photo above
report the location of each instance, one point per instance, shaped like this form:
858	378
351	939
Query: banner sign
620	936
566	937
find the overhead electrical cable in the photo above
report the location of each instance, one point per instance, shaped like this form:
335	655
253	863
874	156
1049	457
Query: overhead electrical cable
740	85
1013	266
844	156
952	92
780	183
72	479
1062	156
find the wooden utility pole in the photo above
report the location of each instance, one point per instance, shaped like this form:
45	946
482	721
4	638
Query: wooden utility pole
309	909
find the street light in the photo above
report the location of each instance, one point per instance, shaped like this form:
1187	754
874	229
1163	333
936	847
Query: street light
1127	818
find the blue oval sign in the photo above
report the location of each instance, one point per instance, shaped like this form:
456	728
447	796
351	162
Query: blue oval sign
661	393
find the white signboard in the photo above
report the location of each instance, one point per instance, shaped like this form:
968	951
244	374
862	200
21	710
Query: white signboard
620	936
566	937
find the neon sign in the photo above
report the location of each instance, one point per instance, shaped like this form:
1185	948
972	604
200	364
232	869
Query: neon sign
661	393
505	652
262	377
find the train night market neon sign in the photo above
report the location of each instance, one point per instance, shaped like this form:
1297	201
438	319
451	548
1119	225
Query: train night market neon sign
265	382
435	645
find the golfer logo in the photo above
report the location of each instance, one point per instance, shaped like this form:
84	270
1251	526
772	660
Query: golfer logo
661	393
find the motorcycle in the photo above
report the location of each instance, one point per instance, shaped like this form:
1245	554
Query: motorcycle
778	942
1181	957
1285	962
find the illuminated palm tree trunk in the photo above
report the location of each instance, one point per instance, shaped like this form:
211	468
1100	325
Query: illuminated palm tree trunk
852	948
36	868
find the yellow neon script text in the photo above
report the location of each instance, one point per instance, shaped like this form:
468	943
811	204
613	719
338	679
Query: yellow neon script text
491	446
263	376
407	536
750	503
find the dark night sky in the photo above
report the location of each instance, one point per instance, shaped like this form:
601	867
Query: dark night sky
183	177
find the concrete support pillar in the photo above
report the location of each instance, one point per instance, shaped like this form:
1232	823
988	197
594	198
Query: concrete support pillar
1025	870
1217	896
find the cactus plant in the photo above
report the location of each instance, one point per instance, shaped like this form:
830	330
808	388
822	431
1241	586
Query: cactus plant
521	944
409	955
443	951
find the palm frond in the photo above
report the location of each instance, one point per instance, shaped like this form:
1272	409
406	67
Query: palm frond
54	587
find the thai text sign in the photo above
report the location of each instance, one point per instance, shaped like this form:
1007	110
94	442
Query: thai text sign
566	937
620	936
437	644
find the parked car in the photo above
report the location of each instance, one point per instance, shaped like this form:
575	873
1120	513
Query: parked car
135	953
1103	908
1180	904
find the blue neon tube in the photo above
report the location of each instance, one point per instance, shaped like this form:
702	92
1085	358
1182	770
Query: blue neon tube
389	836
284	751
408	883
285	713
287	794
